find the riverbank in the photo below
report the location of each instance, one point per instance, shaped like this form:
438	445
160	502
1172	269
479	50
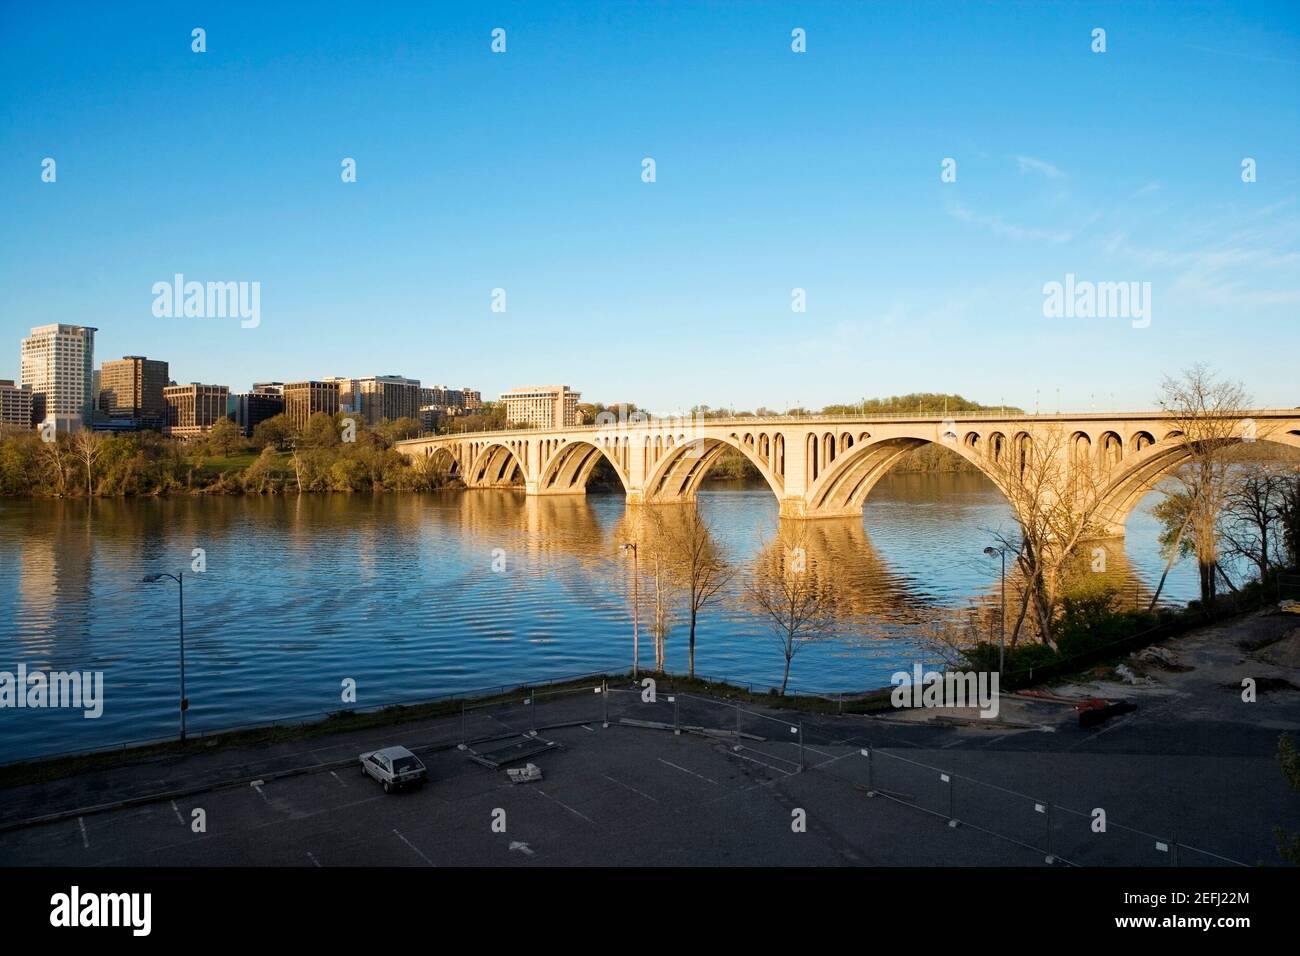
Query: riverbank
331	453
1267	632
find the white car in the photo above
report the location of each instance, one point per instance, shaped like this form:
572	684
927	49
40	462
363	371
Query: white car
394	767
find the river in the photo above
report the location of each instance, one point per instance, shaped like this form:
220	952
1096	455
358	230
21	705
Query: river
415	596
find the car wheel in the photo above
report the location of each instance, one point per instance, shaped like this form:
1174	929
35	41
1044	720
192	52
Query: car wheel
388	787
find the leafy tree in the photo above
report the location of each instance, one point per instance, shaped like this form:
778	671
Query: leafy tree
275	432
321	432
224	437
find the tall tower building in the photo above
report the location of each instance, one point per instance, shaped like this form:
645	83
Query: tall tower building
58	365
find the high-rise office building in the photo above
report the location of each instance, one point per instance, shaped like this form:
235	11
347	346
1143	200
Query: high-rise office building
132	388
388	397
15	404
541	406
58	365
349	393
193	409
302	400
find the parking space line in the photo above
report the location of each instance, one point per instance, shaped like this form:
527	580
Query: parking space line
570	809
338	778
177	810
629	787
415	848
313	858
827	763
735	753
257	785
684	770
85	840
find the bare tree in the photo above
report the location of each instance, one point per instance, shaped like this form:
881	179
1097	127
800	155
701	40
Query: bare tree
1288	516
87	445
53	457
657	561
796	606
1053	482
1252	513
701	569
1208	416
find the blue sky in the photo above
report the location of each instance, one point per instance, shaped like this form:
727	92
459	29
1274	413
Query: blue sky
775	170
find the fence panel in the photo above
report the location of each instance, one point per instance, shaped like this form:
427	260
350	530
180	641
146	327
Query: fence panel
899	778
774	741
704	713
1077	837
1013	816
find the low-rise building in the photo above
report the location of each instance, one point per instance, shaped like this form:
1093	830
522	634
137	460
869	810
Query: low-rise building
15	404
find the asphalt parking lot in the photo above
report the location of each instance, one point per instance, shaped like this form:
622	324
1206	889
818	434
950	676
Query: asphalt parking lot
612	796
1191	765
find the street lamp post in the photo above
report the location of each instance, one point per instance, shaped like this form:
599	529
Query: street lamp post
179	578
1002	608
636	608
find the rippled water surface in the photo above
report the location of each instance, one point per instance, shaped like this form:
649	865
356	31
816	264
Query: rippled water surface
399	593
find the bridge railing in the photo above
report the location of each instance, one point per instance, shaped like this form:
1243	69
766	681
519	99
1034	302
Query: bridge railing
990	415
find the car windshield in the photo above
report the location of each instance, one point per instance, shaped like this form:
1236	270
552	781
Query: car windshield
403	764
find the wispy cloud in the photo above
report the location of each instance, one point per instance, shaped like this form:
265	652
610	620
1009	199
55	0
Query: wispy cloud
1009	230
1028	164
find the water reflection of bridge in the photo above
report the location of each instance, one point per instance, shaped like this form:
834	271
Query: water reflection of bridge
541	529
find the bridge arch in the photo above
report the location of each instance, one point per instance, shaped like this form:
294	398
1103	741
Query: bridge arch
843	488
1143	471
677	475
571	462
496	462
440	453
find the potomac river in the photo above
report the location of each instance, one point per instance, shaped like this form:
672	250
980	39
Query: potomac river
419	595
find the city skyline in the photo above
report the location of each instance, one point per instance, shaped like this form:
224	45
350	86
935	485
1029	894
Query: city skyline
772	176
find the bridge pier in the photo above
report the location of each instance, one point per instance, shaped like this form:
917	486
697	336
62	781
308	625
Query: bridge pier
796	509
534	489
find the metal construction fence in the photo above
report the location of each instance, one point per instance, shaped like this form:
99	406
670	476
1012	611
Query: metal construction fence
774	741
1060	834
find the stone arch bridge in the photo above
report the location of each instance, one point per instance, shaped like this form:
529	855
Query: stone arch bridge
825	467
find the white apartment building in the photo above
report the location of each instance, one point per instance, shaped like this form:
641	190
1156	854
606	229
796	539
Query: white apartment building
541	406
58	365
